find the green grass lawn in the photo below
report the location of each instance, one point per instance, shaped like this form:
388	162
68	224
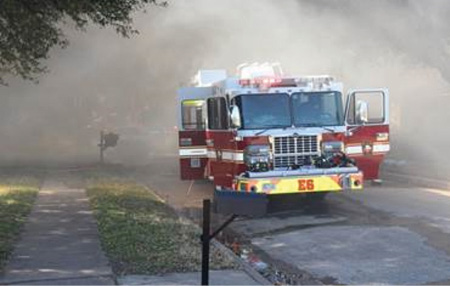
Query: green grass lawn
142	235
17	195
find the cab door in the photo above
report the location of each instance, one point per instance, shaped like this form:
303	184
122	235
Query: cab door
192	132
367	136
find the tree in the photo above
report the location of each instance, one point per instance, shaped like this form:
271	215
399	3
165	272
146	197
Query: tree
30	28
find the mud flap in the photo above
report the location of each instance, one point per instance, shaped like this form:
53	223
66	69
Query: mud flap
240	203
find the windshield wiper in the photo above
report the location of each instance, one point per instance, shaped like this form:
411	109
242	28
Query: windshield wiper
318	125
329	129
262	131
267	129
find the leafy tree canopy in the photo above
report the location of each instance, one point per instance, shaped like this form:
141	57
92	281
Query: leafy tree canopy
29	28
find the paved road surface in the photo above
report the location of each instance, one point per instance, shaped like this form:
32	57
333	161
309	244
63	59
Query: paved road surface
393	198
433	205
393	226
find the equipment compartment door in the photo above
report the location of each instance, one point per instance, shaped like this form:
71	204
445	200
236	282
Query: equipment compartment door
367	120
192	134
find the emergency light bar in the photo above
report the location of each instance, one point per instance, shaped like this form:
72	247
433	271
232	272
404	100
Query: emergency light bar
266	82
315	80
260	81
255	70
264	76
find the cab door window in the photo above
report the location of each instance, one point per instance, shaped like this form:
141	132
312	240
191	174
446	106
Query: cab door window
193	115
217	113
376	107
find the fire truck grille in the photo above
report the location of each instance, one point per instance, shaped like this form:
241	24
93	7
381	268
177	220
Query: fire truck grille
290	150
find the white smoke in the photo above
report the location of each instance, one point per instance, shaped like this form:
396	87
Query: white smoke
104	81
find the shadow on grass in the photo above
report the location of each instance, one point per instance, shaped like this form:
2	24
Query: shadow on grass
140	233
16	202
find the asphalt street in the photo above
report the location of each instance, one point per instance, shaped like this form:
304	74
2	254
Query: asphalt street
393	233
432	205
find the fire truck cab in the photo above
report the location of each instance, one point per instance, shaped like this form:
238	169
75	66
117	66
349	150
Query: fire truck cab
264	133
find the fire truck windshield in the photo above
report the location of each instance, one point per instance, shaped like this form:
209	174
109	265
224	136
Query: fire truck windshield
308	109
262	111
317	109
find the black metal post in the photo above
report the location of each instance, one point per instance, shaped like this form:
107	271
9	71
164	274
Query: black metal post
205	241
223	226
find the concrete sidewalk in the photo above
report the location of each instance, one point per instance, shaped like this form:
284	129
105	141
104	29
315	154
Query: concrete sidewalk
60	243
216	277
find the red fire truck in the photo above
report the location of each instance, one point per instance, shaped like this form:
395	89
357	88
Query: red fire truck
263	133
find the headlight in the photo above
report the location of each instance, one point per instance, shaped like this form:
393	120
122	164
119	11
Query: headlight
332	147
257	158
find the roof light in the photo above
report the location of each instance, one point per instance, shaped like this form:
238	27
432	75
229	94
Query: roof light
314	80
261	82
249	71
244	82
266	75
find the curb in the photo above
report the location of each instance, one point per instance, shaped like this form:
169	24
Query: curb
56	279
255	275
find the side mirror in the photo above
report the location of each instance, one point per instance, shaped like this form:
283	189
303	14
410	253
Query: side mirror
235	116
362	112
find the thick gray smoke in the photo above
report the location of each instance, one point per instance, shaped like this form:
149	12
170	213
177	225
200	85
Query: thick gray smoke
104	82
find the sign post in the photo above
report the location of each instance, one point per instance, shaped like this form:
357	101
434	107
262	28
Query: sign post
101	144
205	241
106	140
206	238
